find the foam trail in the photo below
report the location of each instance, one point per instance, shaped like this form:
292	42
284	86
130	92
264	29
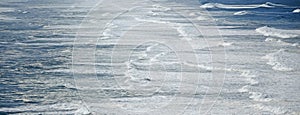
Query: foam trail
278	33
275	110
240	13
278	62
252	6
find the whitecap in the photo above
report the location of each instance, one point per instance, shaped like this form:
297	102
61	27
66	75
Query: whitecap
224	6
240	13
270	39
225	44
251	6
208	5
295	44
278	33
265	6
244	89
296	11
273	4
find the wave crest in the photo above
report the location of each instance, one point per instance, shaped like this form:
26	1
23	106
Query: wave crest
252	6
278	33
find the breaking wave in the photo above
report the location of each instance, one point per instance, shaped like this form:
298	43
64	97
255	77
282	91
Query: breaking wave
278	33
252	6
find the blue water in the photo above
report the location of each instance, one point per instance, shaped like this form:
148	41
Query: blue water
26	60
245	2
36	41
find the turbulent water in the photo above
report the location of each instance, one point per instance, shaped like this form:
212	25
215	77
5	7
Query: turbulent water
149	57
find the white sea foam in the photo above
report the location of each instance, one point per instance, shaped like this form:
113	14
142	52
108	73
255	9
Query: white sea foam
281	67
247	74
296	11
270	39
151	47
62	108
281	61
278	33
7	18
252	6
153	21
252	81
244	89
108	32
295	44
4	17
250	78
199	66
239	13
224	44
154	59
202	18
273	4
275	110
193	14
184	31
208	67
161	8
82	111
6	10
258	96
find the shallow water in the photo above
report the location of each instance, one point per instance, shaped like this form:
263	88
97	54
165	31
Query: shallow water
149	57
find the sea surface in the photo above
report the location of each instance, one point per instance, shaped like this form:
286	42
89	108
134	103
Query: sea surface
150	57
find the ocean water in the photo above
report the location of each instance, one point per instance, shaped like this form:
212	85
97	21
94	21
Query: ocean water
149	57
